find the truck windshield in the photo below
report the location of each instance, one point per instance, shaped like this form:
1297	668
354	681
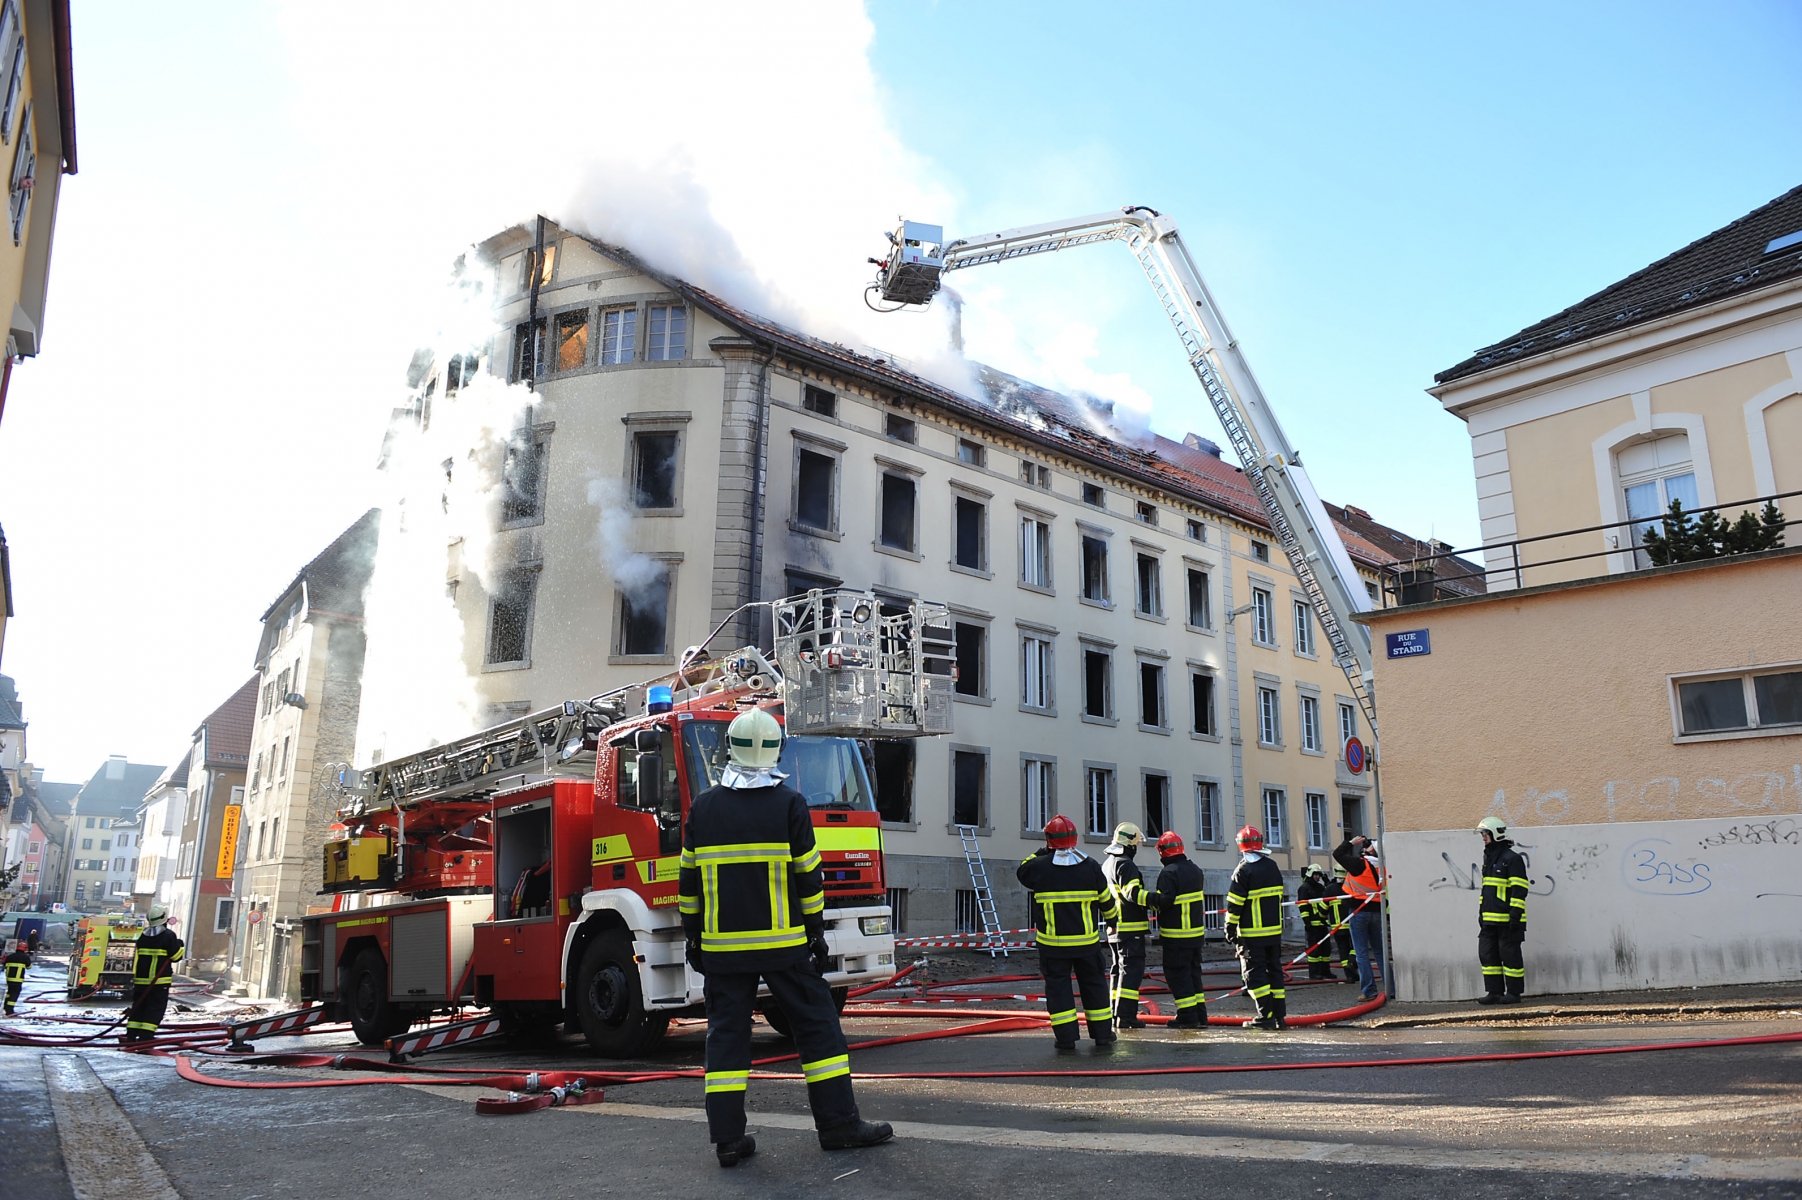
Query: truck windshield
827	770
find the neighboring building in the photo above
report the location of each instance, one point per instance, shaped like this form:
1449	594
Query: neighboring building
1132	643
1640	726
309	678
15	769
161	821
104	810
200	891
54	804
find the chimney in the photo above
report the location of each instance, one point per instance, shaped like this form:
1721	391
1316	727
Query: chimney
1195	441
115	767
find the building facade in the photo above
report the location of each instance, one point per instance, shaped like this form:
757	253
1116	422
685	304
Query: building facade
104	813
160	819
211	817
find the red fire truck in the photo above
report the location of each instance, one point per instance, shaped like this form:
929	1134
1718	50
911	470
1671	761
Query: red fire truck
532	868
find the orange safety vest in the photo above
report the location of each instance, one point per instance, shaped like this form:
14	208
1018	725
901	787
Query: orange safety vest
1367	885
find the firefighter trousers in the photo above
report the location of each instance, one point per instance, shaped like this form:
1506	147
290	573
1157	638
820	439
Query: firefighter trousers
149	1001
1060	1002
1261	966
813	1018
12	994
1504	970
1128	973
1182	971
1320	950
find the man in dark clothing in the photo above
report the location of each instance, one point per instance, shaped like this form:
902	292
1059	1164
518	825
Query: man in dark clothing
1126	936
1070	902
1501	916
1364	896
1254	924
1316	920
16	965
1181	903
752	905
153	970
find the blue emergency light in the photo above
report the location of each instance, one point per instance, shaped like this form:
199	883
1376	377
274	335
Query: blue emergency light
658	699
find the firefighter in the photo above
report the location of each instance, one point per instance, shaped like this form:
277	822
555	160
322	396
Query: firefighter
1180	904
1364	890
1501	915
1342	938
1254	924
153	970
16	964
1316	920
1070	900
1126	935
752	905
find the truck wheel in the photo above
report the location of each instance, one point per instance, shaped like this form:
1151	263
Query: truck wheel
610	1003
372	1017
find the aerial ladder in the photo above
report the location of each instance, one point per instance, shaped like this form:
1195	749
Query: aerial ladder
911	274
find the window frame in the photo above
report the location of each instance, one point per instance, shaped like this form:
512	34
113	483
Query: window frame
656	426
1105	649
821	402
897	428
1095	496
985	625
1269	713
1314	804
1263	616
972	453
1204	671
1275	831
1746	676
962	494
672	563
559	320
1046	639
1192	568
1313	734
1145	512
528	575
911	476
668	307
984	826
1348	729
822	448
1103	538
1148	607
1046	766
1027	515
1109	775
601	356
1146	661
1146	775
1306	643
1206	790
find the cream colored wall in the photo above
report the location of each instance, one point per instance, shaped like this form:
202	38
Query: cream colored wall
1554	484
1783	427
1554	708
12	258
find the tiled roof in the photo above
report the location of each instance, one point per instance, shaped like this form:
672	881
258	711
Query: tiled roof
1728	262
1456	576
228	728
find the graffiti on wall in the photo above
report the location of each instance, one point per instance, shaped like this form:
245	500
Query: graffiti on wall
1663	798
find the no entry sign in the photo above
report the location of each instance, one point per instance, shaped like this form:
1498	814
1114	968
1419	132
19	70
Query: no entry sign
1354	756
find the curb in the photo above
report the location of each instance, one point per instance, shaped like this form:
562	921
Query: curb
1489	1015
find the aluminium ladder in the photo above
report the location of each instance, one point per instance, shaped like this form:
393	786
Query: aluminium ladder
985	896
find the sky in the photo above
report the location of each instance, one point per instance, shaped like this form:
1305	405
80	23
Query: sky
271	196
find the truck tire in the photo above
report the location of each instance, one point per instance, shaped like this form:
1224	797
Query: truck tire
373	1018
772	1012
610	1002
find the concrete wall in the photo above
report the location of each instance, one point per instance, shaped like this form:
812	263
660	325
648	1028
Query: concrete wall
1641	904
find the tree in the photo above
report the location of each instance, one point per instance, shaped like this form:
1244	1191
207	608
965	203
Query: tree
1683	538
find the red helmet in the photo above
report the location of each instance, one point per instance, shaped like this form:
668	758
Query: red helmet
1251	838
1170	845
1060	833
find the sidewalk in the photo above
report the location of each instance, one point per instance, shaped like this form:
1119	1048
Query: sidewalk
1679	1004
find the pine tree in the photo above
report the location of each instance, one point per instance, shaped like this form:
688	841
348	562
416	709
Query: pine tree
1680	537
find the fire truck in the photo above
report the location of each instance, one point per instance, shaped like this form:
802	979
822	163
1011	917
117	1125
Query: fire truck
104	956
531	868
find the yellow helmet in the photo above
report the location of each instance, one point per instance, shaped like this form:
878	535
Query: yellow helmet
754	740
1127	834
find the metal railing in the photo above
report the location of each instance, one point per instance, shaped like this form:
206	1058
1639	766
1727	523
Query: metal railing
1423	569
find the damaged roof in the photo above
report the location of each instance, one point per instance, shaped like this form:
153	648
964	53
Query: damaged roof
1753	252
228	728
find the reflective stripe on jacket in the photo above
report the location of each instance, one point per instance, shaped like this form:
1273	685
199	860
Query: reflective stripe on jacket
16	962
1180	900
750	885
156	958
1312	902
1363	876
1505	883
1254	900
1128	887
1068	903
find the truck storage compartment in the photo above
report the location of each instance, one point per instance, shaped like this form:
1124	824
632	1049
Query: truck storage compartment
522	874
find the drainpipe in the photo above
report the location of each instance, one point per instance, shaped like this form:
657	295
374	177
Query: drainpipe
534	347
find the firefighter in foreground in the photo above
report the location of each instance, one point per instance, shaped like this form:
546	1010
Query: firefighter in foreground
1180	904
1070	900
1126	936
1254	924
16	964
752	905
1501	916
153	970
1313	899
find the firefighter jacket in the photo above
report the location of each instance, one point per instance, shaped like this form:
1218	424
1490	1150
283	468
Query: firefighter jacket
750	886
1069	901
1363	877
1341	907
1254	900
1179	899
16	962
1128	888
1311	899
1505	883
157	955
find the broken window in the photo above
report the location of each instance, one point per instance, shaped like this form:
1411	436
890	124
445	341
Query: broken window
1035	552
1097	683
1200	615
1094	569
522	478
819	400
899	428
619	333
972	658
898	512
894	768
528	350
815	475
668	333
654	469
1035	474
644	615
1201	700
969	787
1151	586
1147	513
461	372
972	533
1157	806
1151	695
509	622
572	340
1197	531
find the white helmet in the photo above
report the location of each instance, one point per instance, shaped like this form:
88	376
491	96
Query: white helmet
157	914
754	740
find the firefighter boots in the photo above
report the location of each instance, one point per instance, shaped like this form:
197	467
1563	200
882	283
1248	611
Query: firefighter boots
736	1151
856	1136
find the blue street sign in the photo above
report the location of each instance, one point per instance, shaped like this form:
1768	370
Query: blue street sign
1408	643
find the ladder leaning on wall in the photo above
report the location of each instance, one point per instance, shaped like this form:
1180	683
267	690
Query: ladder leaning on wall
985	896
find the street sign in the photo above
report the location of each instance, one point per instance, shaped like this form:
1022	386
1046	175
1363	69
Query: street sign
1354	756
1408	643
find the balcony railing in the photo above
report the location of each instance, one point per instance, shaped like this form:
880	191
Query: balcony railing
1412	581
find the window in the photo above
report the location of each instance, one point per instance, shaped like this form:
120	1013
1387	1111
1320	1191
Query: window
1351	812
1273	817
1653	474
968	915
971	453
528	350
1092	494
1310	724
899	428
897	907
1269	727
1035	475
81	890
1038	793
1036	673
819	400
1739	704
117	886
1146	512
262	833
106	843
668	333
572	340
1207	812
619	335
1094	569
972	659
1035	552
222	914
1097	683
286	745
1348	724
509	623
816	488
1201	704
25	165
1157	806
1151	695
1304	628
654	466
897	530
1098	801
522	486
894	764
12	44
88	843
90	823
644	615
461	372
972	533
1151	586
1260	551
969	787
1317	830
1196	530
1263	613
275	838
34	848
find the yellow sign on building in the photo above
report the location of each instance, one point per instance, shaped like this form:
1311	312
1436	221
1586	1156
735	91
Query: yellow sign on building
228	840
